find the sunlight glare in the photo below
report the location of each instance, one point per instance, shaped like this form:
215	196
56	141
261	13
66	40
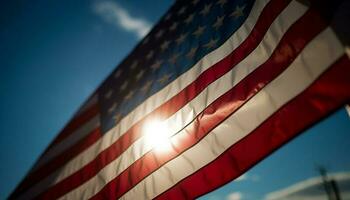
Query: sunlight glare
157	135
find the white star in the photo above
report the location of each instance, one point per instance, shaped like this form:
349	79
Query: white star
219	22
181	11
109	94
199	31
195	2
211	43
140	74
159	34
134	65
117	118
167	17
164	78
238	12
181	38
149	55
129	95
118	73
173	58
192	52
123	87
173	26
112	108
165	45
189	19
156	65
146	86
145	41
221	2
206	9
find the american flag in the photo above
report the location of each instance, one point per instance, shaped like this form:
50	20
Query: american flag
214	88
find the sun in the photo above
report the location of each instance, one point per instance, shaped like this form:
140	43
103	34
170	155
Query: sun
157	135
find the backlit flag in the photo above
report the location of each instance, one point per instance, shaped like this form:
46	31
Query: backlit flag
214	88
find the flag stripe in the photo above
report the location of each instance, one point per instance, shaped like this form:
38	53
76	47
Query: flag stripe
52	168
303	111
305	68
76	123
222	107
72	133
249	23
70	140
84	143
45	166
289	16
92	101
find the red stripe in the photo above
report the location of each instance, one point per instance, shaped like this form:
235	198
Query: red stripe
270	12
76	123
287	50
68	154
60	160
73	125
325	95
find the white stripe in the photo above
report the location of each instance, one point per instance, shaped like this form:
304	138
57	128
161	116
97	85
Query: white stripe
45	158
234	41
294	11
88	104
309	65
72	139
347	50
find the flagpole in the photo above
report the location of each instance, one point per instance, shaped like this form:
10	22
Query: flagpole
330	186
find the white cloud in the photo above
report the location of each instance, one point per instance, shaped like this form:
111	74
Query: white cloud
213	197
243	177
234	196
255	178
246	177
311	188
119	16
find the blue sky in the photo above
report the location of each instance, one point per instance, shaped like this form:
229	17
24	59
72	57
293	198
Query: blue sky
53	54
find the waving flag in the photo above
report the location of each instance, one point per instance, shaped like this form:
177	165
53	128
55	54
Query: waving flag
214	88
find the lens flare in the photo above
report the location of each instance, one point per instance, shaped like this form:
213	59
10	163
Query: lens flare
157	135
